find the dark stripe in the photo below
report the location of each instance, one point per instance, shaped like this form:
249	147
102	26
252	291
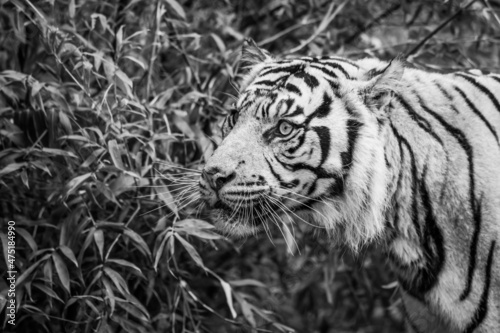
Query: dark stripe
299	144
400	177
421	121
429	275
323	110
318	171
280	180
444	92
353	127
312	188
339	60
324	142
482	309
337	188
414	180
340	68
325	71
293	88
427	127
474	244
266	109
268	135
466	146
309	80
482	88
272	99
298	111
334	85
291	156
495	78
335	88
288	102
269	83
477	112
286	69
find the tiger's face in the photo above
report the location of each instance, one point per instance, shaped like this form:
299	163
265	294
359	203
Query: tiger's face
292	148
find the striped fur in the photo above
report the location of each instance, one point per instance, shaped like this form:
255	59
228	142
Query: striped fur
380	152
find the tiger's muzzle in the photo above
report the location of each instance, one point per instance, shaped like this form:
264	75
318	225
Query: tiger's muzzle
233	198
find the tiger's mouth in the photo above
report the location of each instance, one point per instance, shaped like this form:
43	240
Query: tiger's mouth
249	212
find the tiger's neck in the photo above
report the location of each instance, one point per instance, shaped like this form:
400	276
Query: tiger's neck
413	240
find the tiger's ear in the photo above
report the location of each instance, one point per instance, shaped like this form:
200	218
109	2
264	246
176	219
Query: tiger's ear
383	84
252	55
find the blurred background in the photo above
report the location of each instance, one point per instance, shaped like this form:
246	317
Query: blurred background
107	111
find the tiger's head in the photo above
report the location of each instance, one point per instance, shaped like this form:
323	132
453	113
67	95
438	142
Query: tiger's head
304	140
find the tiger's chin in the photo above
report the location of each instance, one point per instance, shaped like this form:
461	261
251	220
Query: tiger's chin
238	229
236	226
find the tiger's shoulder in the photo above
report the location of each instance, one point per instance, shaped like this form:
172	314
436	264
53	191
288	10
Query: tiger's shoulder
370	67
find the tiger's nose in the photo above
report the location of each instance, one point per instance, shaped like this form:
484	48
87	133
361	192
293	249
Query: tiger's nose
217	178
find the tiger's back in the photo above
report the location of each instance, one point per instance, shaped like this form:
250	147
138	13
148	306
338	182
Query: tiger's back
374	151
445	135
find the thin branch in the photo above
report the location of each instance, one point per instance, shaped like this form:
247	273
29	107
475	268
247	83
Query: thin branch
440	27
324	24
158	13
487	3
437	41
373	22
286	31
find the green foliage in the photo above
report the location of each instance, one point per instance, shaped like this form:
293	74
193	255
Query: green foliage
106	110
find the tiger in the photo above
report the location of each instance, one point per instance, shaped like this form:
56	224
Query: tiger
372	151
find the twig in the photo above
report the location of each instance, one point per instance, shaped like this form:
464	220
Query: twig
286	31
435	31
324	24
487	3
158	13
392	46
373	22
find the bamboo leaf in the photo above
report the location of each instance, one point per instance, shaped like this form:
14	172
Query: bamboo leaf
193	223
12	167
117	279
74	183
126	263
109	291
229	296
48	291
69	254
177	8
191	250
165	196
62	271
138	241
116	154
25	274
28	238
99	241
133	310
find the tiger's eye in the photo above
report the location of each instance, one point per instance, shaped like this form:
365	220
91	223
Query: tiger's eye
285	128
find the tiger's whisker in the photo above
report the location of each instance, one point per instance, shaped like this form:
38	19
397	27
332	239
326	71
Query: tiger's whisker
285	208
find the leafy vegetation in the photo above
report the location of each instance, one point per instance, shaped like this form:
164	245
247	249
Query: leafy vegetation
107	109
